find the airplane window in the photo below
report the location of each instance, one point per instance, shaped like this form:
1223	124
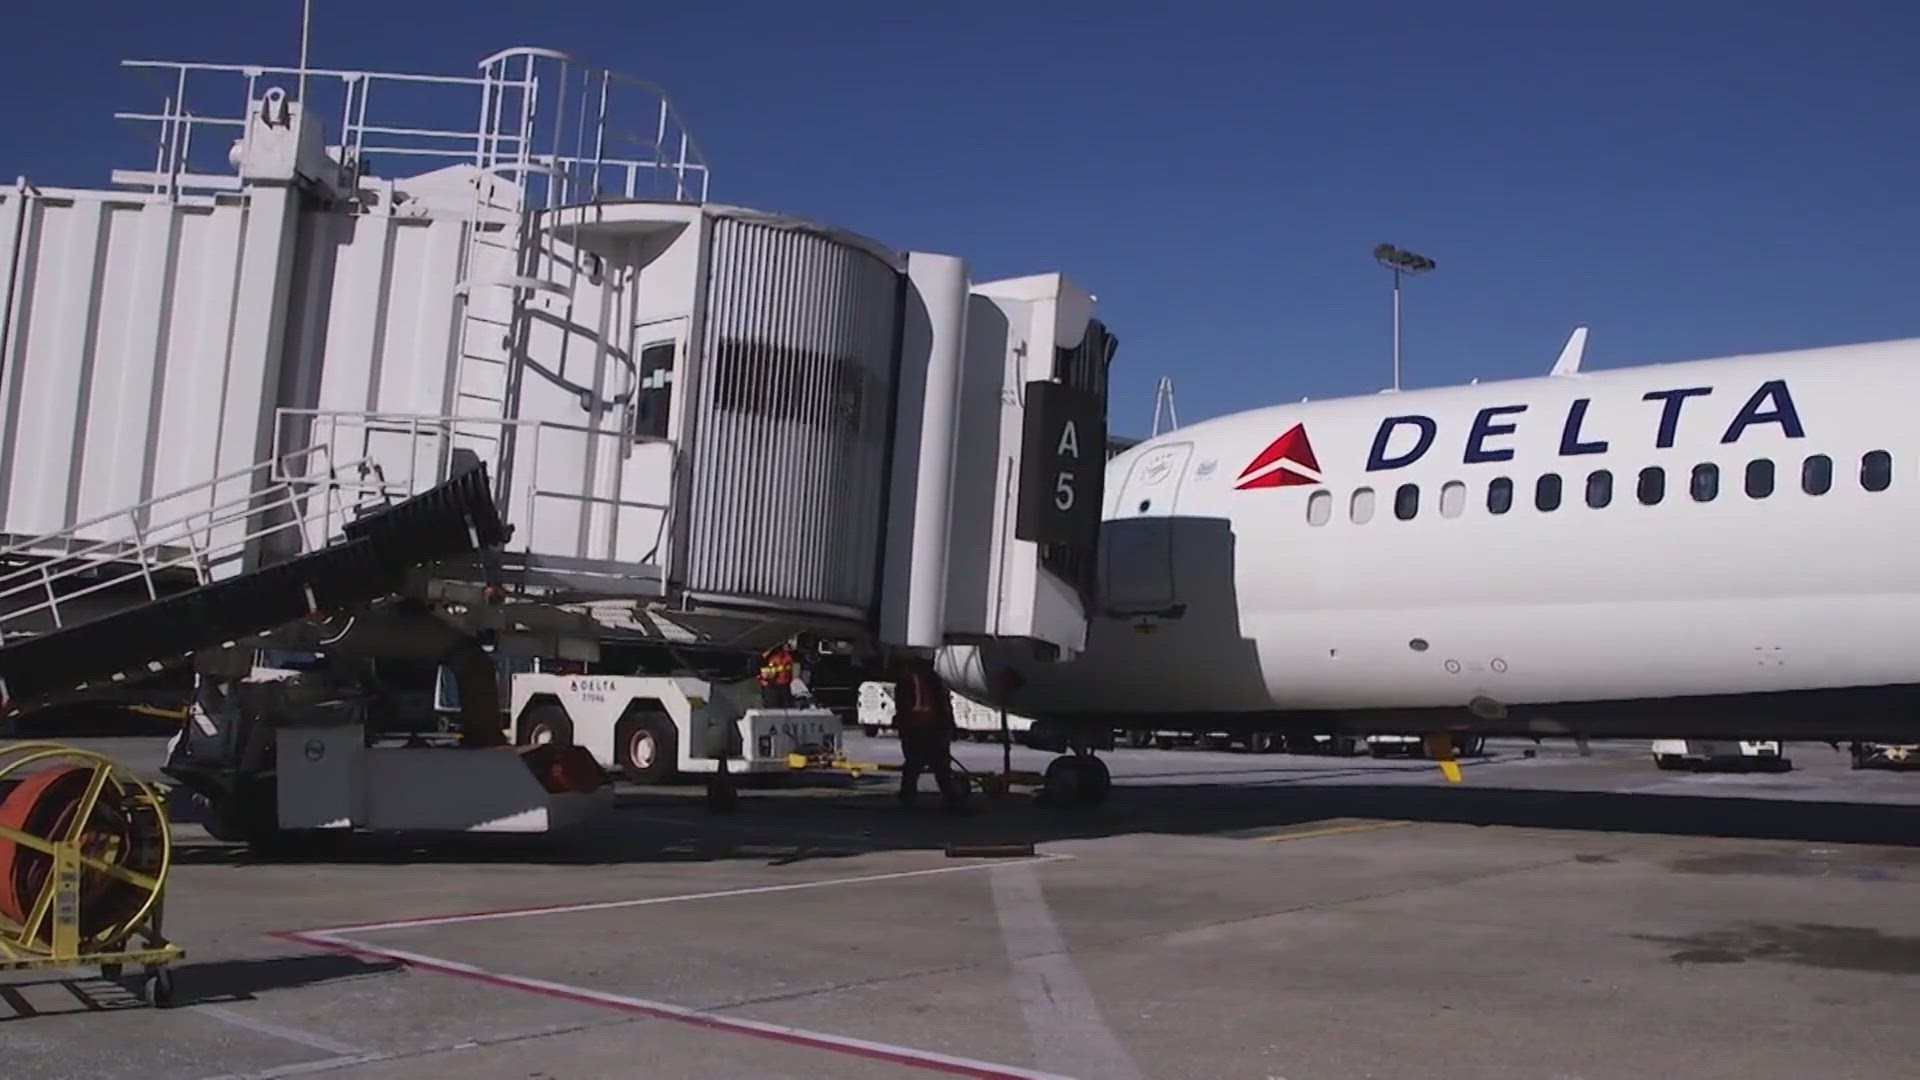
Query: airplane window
1876	470
1406	501
1320	507
1361	509
1759	478
1599	488
1499	495
1453	498
1706	482
1546	492
1816	475
1653	485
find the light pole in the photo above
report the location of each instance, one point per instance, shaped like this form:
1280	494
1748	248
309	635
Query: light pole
1400	262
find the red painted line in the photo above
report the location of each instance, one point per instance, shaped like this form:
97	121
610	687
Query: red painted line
632	1006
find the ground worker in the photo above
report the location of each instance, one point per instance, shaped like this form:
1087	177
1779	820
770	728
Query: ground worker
923	715
776	677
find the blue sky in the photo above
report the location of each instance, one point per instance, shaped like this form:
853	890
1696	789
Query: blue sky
1688	179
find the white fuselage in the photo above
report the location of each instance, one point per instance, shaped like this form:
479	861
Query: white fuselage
1326	556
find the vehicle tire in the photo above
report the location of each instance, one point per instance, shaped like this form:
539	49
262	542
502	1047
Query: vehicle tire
1669	762
544	723
647	747
1468	745
1260	742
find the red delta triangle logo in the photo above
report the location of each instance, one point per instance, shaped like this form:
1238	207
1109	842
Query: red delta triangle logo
1287	461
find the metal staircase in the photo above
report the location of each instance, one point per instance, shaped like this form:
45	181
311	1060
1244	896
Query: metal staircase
554	134
76	612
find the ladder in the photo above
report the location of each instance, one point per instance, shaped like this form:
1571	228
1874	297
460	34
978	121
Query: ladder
503	264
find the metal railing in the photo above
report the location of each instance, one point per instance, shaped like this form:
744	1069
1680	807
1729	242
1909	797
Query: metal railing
424	457
564	130
208	543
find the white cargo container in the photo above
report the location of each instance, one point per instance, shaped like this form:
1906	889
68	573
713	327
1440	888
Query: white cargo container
1720	754
975	721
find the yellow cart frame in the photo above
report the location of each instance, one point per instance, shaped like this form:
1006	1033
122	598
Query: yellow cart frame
51	935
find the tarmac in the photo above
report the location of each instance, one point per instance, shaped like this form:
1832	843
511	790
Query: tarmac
1551	917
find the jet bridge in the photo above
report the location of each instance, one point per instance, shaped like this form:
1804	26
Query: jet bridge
701	424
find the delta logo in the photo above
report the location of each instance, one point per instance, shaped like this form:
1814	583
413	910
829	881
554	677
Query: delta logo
1288	461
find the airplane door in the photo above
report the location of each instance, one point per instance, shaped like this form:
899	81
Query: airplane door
1137	540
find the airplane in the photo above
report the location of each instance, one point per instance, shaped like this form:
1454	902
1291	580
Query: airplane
1710	548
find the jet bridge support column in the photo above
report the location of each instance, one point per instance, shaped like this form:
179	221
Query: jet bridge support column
280	157
918	537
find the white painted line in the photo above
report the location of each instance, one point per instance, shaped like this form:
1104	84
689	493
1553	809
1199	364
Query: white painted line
1062	1017
343	1054
776	832
300	1068
279	1031
659	1010
650	901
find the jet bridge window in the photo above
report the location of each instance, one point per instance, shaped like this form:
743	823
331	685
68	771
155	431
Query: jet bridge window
1876	470
782	382
1361	509
1546	492
653	398
1499	495
1320	507
1759	478
1816	475
1599	488
1406	501
1453	499
1706	482
1653	485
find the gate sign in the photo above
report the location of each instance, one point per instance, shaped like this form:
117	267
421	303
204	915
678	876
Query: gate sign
1063	466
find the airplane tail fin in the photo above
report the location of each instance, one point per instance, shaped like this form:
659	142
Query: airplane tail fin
1576	347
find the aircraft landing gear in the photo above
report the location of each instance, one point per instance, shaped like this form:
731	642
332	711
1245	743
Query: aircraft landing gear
1077	779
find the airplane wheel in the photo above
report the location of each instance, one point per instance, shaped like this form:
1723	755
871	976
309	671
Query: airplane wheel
1075	780
1099	781
1063	781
